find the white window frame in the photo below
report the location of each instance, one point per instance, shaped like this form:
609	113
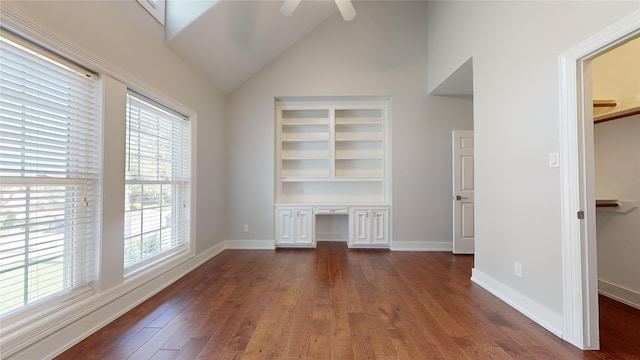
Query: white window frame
80	250
180	219
52	321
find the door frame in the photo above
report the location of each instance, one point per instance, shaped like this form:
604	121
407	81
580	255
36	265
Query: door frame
579	248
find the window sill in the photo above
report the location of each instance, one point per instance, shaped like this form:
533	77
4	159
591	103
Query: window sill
155	266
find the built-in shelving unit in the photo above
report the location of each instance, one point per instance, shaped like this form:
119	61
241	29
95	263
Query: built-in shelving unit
333	152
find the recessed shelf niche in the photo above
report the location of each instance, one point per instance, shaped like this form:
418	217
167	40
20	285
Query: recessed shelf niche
333	152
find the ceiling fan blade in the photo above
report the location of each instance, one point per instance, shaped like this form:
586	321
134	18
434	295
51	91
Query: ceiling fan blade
288	7
346	9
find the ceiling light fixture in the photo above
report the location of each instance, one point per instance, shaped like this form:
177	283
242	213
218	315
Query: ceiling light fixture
346	8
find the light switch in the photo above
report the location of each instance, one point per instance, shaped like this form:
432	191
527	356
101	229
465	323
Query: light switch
554	160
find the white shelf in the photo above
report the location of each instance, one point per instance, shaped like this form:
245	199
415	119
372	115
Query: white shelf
351	179
359	157
305	157
306	122
307	137
340	137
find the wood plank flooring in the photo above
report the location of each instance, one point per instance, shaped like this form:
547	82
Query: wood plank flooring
336	303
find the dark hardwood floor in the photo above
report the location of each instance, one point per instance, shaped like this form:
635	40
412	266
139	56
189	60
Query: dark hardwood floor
336	303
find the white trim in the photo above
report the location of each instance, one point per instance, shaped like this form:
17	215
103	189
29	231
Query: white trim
250	244
421	246
580	306
531	309
395	245
619	293
100	308
162	260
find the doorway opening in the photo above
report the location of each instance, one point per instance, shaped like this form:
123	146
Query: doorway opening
580	271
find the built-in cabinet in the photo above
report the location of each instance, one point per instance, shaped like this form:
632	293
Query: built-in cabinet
294	226
330	155
369	227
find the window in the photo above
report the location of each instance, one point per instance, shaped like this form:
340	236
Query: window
156	8
157	184
50	153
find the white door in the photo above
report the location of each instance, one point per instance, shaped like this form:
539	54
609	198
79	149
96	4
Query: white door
380	227
463	187
304	226
285	226
361	227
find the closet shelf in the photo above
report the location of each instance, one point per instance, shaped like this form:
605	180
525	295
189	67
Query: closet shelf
619	206
607	110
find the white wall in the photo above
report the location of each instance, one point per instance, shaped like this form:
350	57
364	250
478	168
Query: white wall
381	52
617	160
515	48
616	74
126	38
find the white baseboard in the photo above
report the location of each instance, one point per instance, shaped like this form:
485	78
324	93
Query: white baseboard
53	336
250	244
531	309
421	246
619	293
395	245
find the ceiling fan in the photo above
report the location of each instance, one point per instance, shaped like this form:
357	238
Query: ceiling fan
345	6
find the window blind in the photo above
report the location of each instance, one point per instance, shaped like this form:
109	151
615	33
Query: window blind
50	161
158	181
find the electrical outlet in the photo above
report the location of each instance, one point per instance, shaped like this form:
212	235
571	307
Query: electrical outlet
246	228
517	269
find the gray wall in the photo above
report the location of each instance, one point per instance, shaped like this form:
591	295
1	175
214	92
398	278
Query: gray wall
381	52
124	35
515	48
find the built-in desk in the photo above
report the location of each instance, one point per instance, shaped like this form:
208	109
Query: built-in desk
358	225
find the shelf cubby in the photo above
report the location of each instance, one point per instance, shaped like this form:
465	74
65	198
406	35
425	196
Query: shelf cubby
332	192
305	168
359	168
358	116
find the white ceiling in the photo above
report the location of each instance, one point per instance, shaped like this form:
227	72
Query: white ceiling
233	39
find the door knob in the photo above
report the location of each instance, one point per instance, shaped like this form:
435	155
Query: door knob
458	197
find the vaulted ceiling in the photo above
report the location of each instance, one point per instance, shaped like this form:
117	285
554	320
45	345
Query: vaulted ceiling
230	40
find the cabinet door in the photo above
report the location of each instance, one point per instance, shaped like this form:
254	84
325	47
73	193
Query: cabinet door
380	227
361	227
304	226
285	226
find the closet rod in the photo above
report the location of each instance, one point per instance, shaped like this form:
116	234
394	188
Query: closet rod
608	205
